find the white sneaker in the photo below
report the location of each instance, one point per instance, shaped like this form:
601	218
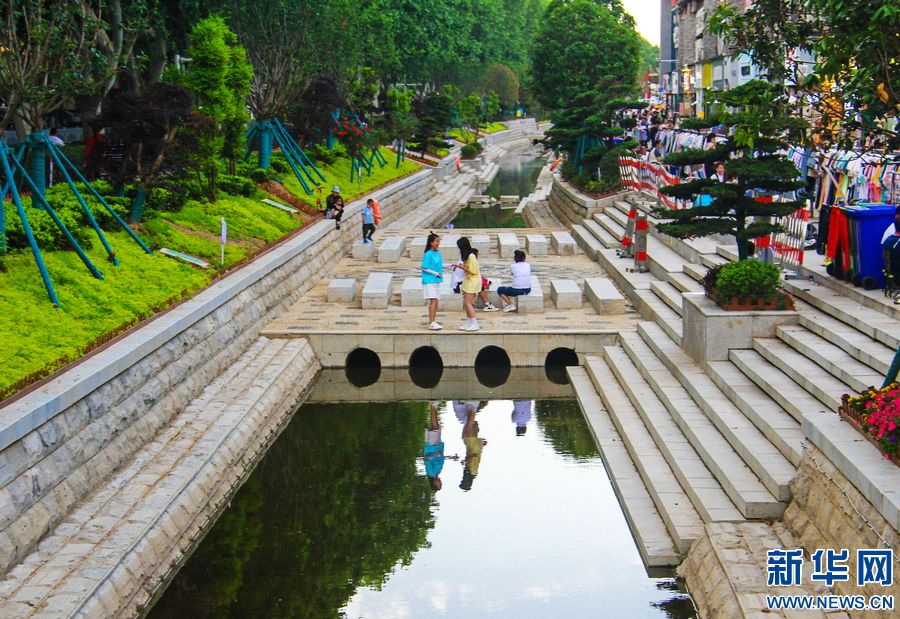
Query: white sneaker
468	327
509	308
435	326
489	307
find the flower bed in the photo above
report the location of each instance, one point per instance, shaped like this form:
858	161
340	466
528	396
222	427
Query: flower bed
748	285
876	414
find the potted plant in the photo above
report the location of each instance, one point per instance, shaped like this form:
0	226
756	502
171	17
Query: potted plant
747	285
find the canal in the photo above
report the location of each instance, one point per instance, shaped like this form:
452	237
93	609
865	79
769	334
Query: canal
343	518
517	176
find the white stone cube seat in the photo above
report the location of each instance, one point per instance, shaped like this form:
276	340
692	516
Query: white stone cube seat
537	244
376	293
565	293
508	244
391	249
341	290
417	248
411	293
603	295
532	303
562	243
363	251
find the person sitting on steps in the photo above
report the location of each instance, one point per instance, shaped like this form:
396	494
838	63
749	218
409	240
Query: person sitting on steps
334	206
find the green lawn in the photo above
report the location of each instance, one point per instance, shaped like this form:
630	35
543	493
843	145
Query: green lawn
338	173
39	338
494	127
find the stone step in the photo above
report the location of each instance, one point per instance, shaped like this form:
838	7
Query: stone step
684	282
780	428
662	259
125	529
779	386
696	271
738	480
612	228
804	371
653	308
728	252
839	364
669	294
602	234
619	269
698	483
712	260
642	483
618	217
869	321
858	345
587	241
753	446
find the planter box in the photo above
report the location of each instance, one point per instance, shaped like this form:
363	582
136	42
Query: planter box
855	419
738	305
710	332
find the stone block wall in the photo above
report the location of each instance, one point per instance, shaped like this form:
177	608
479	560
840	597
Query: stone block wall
828	511
62	440
571	206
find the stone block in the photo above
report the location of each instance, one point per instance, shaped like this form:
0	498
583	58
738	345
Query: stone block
537	244
562	243
565	293
482	243
508	243
449	250
377	292
391	249
532	303
411	292
363	251
603	295
493	297
450	300
341	290
417	248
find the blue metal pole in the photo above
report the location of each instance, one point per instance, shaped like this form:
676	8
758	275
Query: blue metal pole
288	145
309	162
84	206
59	223
264	133
97	195
290	160
38	160
28	233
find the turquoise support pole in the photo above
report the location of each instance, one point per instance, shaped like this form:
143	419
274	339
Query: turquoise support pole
59	223
290	148
38	161
250	139
17	199
297	172
96	194
309	162
136	212
84	206
264	132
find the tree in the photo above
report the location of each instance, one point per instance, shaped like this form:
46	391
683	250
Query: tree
150	126
499	78
752	162
219	77
584	69
855	46
434	113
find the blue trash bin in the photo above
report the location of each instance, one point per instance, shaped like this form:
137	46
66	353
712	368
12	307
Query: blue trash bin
868	223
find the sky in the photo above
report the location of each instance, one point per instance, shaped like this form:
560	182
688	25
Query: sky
646	14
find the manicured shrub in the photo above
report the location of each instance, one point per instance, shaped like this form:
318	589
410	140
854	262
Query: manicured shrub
167	199
236	185
469	151
748	279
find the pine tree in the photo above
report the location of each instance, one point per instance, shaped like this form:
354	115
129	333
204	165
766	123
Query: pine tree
754	166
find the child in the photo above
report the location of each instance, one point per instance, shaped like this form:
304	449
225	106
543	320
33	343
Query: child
471	284
521	281
368	214
485	286
432	268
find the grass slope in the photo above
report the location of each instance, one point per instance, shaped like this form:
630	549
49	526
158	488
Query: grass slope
39	338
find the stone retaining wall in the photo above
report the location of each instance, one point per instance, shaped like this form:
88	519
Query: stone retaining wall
59	442
571	206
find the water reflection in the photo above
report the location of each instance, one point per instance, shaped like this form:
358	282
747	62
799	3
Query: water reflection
348	516
517	176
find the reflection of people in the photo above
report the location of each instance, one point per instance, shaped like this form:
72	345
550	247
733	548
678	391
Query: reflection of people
521	415
474	445
433	451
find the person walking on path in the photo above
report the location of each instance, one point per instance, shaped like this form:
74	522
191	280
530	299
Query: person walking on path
368	227
432	276
471	285
334	206
521	281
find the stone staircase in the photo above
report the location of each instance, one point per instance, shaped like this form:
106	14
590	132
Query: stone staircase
449	196
717	442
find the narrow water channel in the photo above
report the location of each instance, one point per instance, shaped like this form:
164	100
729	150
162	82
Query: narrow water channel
517	176
341	519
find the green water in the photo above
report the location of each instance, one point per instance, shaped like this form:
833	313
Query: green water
517	176
339	520
489	217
